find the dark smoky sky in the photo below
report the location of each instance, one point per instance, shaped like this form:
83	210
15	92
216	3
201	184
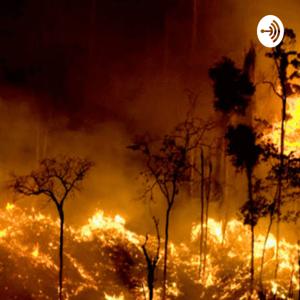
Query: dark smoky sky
83	76
74	57
98	60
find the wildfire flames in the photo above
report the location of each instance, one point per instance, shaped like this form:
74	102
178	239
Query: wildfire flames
292	127
104	260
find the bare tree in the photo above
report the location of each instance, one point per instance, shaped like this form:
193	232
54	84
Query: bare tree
152	262
168	167
55	179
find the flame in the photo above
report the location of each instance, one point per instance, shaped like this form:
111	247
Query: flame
113	297
237	246
3	233
120	220
292	127
214	227
104	258
9	206
35	251
99	221
274	287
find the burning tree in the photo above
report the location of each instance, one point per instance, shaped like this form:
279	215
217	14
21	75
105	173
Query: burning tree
55	179
245	152
287	64
169	167
233	90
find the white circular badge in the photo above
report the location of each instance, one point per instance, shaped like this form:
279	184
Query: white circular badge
270	31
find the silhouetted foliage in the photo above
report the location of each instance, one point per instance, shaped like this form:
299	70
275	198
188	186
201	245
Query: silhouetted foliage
249	61
287	62
233	90
245	152
232	87
242	147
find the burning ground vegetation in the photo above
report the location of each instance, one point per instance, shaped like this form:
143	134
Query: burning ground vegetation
104	260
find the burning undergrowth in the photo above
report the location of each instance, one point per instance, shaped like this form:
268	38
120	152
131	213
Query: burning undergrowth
104	260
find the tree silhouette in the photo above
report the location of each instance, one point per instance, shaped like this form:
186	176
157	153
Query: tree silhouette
245	152
206	180
232	87
55	179
169	167
233	90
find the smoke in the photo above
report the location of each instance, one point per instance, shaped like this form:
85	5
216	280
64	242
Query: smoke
83	80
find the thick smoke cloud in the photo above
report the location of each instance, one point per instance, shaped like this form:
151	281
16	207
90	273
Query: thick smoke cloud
82	77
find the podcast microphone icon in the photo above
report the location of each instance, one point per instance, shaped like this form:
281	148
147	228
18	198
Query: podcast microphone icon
275	31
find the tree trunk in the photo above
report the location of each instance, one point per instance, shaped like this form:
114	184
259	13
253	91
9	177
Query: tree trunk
202	208
282	74
299	269
250	195
150	286
264	249
164	294
277	199
61	247
226	205
278	204
207	194
221	171
252	259
205	242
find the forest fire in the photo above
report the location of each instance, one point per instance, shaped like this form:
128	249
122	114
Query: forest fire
104	103
292	127
92	259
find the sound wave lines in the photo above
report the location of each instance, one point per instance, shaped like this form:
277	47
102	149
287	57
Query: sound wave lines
274	31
